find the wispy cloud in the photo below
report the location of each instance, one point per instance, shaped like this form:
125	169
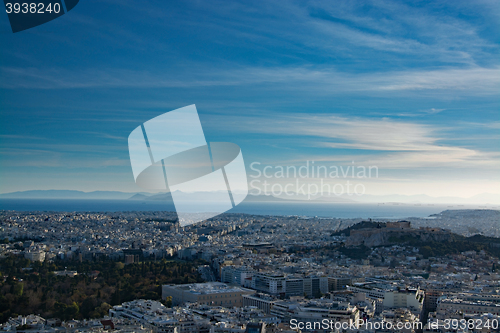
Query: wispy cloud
476	81
21	137
445	157
38	158
385	142
398	27
433	32
420	113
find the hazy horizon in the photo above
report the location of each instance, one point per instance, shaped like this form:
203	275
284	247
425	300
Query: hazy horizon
487	199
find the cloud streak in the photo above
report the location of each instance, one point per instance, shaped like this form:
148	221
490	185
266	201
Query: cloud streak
475	81
384	142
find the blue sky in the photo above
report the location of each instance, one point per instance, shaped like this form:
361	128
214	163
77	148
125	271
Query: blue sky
411	87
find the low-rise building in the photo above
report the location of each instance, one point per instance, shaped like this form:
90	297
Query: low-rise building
446	304
209	293
34	255
160	319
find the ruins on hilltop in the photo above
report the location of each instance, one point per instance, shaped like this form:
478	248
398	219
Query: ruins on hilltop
380	233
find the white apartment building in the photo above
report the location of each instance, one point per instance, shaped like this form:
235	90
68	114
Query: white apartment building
160	319
265	303
271	284
280	285
315	311
236	275
392	298
324	309
446	304
34	255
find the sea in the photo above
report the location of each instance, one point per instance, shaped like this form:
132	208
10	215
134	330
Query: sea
307	209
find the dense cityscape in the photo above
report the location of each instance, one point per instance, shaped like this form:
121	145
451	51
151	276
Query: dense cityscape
142	272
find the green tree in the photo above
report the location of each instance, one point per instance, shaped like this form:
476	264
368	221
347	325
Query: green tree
168	302
71	311
18	289
427	251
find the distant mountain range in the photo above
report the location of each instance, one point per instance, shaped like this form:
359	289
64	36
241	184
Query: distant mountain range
116	195
66	194
480	199
215	196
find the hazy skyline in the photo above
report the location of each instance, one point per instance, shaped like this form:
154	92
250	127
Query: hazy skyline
412	88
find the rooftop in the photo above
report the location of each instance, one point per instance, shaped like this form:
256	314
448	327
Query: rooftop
209	288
